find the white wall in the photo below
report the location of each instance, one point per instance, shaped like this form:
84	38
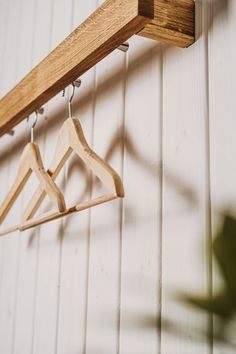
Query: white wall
164	118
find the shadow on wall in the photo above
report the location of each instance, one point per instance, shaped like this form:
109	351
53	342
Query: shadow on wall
153	52
182	188
208	11
221	304
214	9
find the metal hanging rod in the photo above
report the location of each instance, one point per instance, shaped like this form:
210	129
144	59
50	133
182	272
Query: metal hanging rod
107	29
124	47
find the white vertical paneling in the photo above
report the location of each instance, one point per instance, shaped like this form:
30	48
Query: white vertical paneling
25	298
3	14
222	52
142	211
96	282
3	173
10	244
75	231
4	161
185	192
48	289
222	87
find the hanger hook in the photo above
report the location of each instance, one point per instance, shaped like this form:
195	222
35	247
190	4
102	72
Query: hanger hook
39	111
74	84
70	100
33	126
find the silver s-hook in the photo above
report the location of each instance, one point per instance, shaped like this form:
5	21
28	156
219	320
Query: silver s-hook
74	84
39	111
70	100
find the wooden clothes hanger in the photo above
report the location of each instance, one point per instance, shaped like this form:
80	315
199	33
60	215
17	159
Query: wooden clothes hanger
31	161
71	138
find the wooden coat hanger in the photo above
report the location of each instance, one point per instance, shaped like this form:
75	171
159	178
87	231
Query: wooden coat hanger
71	138
31	161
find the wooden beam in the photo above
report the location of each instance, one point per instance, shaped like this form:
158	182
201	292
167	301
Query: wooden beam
108	27
174	22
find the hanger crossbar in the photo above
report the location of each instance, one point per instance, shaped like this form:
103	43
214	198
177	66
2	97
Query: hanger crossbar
47	217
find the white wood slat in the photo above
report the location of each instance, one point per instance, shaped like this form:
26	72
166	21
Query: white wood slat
185	204
142	210
24	296
11	245
222	86
3	170
3	175
105	240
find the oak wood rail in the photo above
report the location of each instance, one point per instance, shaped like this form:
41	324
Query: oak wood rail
114	22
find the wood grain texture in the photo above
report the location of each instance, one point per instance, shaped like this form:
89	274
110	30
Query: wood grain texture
115	21
174	22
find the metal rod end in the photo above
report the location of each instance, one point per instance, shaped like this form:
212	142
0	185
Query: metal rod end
11	132
124	47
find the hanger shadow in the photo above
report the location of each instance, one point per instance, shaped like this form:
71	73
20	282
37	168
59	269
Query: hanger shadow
116	77
216	8
213	9
183	189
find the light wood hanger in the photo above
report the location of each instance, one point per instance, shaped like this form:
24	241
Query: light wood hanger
47	217
71	138
31	161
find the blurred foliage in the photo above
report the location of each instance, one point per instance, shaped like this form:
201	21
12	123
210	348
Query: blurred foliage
222	304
